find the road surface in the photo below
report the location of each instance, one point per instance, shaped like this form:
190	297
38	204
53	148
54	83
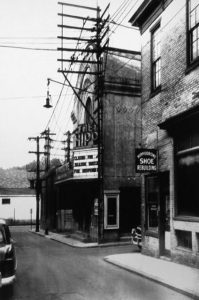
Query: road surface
48	270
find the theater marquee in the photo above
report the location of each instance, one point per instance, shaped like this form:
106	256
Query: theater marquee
86	163
146	160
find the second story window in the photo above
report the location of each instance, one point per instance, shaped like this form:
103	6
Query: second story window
193	29
156	58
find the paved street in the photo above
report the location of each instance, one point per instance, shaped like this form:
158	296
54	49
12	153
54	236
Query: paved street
48	270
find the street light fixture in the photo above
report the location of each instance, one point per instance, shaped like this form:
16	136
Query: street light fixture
48	98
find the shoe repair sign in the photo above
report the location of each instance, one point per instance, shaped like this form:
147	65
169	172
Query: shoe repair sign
146	160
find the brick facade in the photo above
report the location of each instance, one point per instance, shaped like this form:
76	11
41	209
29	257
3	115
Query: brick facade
178	94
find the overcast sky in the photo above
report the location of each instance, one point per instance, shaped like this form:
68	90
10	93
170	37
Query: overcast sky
24	72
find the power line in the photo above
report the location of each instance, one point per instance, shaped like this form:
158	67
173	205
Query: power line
121	14
120	11
25	98
119	8
26	37
125	6
28	48
53	113
125	26
7	43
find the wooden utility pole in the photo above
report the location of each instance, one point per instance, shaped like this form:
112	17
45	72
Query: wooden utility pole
37	186
68	141
100	129
37	179
95	47
46	135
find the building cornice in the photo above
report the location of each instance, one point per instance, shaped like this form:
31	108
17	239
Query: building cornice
144	10
148	12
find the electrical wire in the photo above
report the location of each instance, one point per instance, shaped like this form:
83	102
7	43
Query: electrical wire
125	26
64	82
118	22
25	98
122	5
84	22
28	48
120	12
26	38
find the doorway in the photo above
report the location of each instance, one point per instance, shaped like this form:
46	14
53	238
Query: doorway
130	209
164	214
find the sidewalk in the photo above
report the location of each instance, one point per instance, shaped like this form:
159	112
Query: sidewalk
66	239
179	277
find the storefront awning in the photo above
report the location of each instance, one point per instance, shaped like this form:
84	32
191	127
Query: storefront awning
76	180
191	114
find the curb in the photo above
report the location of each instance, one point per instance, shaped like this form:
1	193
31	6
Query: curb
154	279
80	245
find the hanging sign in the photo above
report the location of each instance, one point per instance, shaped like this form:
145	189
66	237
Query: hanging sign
146	160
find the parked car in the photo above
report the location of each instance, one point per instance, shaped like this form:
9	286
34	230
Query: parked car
8	263
136	236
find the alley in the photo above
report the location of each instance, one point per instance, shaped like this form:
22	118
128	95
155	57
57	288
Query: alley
49	270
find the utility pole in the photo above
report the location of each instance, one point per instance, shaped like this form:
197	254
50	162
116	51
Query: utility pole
37	179
67	148
93	56
46	134
100	129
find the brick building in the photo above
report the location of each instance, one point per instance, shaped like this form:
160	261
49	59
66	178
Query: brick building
170	118
76	184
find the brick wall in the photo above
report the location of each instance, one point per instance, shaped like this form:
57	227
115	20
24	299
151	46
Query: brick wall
179	89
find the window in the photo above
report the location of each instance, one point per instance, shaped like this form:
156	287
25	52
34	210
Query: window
187	172
152	202
184	239
156	58
5	201
111	210
193	29
197	241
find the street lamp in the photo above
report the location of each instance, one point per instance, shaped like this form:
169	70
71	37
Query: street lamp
48	98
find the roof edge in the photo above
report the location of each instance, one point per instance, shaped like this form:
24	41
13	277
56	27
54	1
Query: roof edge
142	11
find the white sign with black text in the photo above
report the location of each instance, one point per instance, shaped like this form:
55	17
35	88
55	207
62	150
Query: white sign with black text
86	163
